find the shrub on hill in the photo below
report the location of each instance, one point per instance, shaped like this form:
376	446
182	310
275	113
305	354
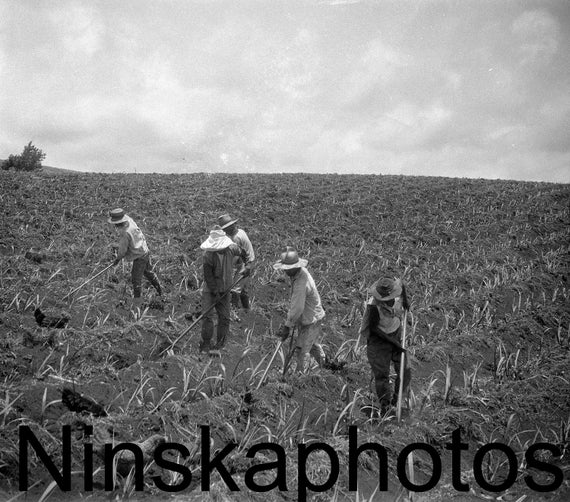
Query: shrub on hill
29	160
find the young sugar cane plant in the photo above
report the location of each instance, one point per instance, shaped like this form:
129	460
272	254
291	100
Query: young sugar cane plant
484	261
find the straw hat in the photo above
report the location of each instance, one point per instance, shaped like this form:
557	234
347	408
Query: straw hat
225	221
290	259
217	240
385	289
117	216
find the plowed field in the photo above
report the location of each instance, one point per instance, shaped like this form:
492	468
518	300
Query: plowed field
487	269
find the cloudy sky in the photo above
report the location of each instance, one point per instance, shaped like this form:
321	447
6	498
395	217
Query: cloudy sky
448	88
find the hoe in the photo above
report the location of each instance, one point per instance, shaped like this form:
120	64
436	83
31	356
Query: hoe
87	282
61	321
402	368
202	315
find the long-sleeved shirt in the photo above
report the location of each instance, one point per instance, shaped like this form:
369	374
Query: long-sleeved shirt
132	244
305	304
242	240
218	269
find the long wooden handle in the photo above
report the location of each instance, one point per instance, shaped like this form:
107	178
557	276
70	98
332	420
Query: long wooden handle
269	364
87	281
402	369
201	317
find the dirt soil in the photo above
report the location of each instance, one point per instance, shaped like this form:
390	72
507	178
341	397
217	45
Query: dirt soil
487	269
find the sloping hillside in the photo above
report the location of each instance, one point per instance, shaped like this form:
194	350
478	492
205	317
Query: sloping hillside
487	267
51	170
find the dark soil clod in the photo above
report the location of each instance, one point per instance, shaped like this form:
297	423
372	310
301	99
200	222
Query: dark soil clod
35	256
156	304
74	401
334	365
248	398
51	321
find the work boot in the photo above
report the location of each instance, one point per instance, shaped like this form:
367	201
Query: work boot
235	300
244	297
387	411
220	344
156	284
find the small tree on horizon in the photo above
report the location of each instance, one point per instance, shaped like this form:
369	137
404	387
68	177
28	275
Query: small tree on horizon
29	160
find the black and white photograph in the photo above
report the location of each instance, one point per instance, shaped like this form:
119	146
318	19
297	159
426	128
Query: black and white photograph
285	250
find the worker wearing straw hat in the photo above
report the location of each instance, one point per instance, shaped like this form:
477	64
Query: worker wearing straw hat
133	247
381	327
242	265
305	309
219	252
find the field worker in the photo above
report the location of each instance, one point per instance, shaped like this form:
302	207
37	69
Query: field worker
381	328
243	265
219	253
133	247
305	309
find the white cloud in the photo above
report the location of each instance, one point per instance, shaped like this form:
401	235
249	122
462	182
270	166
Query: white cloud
552	125
79	26
297	67
195	85
453	80
3	61
378	66
538	34
408	126
351	143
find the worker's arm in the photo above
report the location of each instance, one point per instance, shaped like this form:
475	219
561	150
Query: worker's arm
208	266
297	303
123	248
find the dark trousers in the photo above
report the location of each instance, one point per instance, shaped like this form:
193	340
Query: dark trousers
240	292
380	353
222	309
143	267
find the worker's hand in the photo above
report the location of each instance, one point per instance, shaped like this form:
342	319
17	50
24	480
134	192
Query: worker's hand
405	302
283	332
116	261
246	272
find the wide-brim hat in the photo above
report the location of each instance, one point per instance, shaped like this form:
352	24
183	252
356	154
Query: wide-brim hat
385	289
290	259
225	221
217	240
117	216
